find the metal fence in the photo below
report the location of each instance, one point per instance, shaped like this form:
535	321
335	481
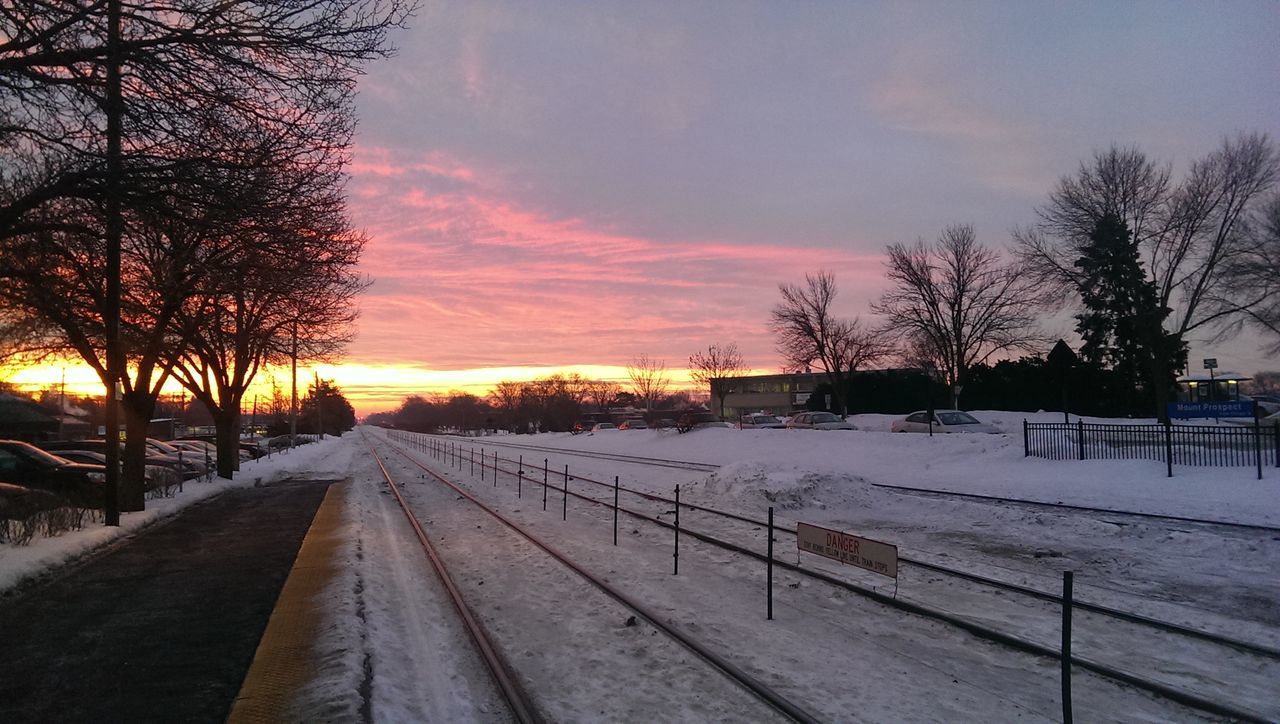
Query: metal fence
1193	445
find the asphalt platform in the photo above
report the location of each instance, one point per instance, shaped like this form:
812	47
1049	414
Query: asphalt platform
163	627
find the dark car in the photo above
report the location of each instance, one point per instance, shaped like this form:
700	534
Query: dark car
27	465
185	465
155	476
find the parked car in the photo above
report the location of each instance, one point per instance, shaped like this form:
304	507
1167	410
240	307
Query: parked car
156	476
697	420
759	422
1267	404
819	421
635	424
27	465
187	465
253	447
283	441
602	426
943	421
200	447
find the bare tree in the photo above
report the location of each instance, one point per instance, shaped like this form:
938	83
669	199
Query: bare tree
1255	276
649	379
105	104
809	333
602	392
957	304
1189	233
505	397
710	369
281	280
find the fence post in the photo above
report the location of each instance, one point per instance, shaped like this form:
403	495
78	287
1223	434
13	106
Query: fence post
1168	448
1257	442
482	464
615	510
1080	437
676	555
1277	443
544	484
564	511
520	478
1066	647
1026	439
769	579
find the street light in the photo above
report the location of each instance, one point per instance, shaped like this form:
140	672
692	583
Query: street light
930	376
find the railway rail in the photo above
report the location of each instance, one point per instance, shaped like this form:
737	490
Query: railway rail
522	705
1081	508
614	457
1201	702
712	467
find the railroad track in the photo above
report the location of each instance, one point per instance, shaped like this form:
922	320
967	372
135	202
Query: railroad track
1268	656
613	457
523	706
1081	508
712	467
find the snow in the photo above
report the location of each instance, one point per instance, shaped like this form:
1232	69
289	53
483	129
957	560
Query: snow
392	635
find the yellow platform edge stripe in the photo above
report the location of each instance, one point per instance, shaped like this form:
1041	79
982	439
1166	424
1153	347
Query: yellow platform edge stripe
284	661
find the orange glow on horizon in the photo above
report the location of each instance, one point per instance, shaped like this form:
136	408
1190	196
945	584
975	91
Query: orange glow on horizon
370	388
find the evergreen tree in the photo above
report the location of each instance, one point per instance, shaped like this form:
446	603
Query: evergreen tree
1122	324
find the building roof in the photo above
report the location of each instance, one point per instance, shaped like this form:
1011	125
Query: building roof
18	412
1217	377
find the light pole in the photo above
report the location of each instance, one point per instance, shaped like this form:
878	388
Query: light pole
929	375
293	394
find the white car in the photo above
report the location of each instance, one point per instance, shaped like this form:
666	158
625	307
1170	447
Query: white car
819	421
602	426
759	422
943	421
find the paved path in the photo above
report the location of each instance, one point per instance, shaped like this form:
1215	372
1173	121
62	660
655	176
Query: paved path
164	627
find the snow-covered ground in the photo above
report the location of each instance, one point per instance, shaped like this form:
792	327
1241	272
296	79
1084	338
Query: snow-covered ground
843	656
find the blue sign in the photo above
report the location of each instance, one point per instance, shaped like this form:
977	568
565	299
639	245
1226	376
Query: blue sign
1229	408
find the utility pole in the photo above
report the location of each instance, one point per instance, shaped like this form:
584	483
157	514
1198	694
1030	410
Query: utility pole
319	407
293	395
114	108
62	406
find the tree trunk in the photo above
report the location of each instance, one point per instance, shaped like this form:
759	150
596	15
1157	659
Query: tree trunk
1160	388
137	411
227	427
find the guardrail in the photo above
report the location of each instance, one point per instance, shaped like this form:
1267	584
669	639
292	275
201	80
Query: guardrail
1191	445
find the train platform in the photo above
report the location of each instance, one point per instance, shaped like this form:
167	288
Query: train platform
167	625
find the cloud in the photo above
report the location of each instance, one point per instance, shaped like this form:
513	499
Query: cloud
464	277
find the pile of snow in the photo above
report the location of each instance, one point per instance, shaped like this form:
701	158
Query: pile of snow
787	486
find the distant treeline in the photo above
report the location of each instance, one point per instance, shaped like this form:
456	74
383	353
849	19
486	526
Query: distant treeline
1028	384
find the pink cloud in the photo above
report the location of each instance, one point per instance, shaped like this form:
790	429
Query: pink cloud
465	278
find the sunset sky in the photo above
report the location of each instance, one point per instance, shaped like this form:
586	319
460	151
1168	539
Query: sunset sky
560	183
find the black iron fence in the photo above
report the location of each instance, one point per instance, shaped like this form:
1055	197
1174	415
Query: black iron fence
1194	445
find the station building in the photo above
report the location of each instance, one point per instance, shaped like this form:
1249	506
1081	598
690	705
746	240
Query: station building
778	394
1207	387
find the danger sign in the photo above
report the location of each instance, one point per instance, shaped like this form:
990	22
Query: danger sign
865	553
